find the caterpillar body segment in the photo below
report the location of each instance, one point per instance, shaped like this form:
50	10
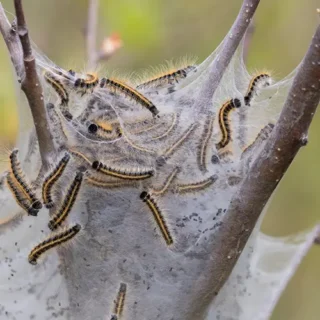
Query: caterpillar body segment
196	186
71	195
204	143
121	173
51	179
19	176
129	92
58	87
119	302
161	191
90	81
178	143
169	78
259	81
158	216
52	242
19	197
224	121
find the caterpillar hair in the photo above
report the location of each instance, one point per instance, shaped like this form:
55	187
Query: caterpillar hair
166	183
256	83
120	173
127	91
153	206
173	76
22	183
224	121
58	87
204	142
51	179
119	302
71	195
197	186
53	241
18	196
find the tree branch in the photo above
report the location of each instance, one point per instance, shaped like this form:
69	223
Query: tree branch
30	81
230	45
91	33
289	134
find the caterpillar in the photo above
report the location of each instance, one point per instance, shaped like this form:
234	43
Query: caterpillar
21	182
19	198
204	142
90	82
68	202
196	186
104	130
166	183
259	81
51	179
58	87
224	124
53	241
169	78
122	173
158	216
127	91
108	184
119	302
168	152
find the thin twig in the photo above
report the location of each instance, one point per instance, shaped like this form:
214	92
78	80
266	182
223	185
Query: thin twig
230	45
288	136
12	41
91	33
28	76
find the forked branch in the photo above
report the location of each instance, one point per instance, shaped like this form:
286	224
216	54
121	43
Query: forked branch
288	136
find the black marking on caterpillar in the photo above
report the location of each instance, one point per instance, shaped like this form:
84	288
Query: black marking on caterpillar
71	195
129	92
21	181
224	120
121	173
53	241
51	179
158	216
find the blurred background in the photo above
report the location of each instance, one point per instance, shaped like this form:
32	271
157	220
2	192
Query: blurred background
153	31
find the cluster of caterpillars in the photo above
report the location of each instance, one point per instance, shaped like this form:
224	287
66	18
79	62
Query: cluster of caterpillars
61	82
